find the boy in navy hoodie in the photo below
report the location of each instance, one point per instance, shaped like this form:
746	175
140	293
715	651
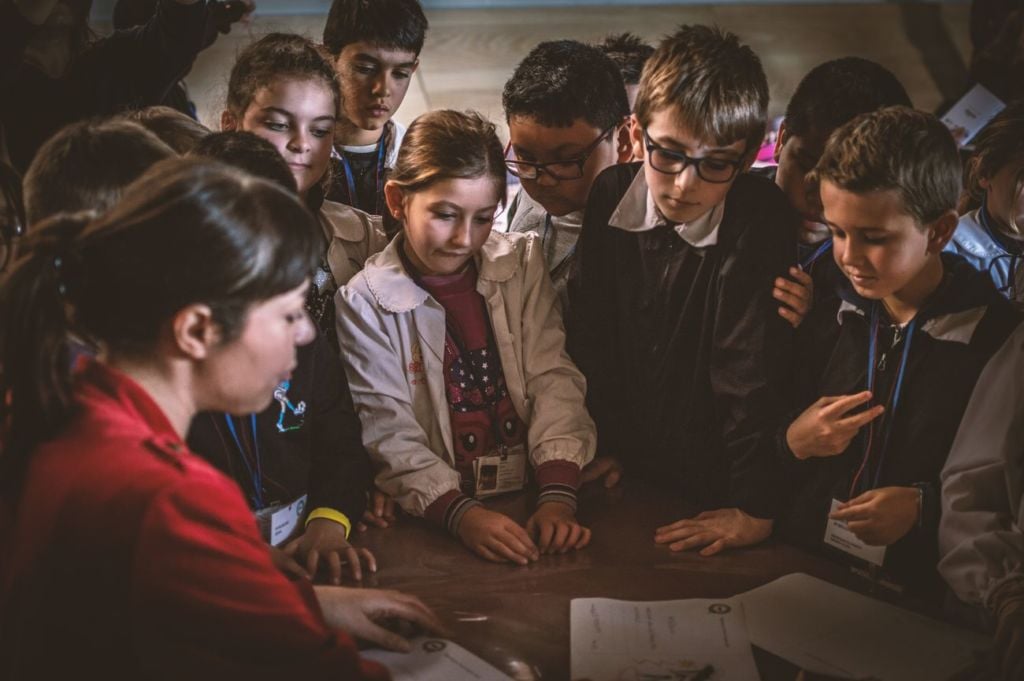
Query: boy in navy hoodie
889	363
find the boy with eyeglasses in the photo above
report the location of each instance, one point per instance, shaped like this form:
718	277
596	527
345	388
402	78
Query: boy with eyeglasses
567	116
674	326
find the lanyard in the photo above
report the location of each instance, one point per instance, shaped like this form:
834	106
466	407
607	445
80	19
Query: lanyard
256	474
894	396
350	182
821	250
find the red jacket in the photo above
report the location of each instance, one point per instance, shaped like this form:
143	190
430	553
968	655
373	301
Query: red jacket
131	557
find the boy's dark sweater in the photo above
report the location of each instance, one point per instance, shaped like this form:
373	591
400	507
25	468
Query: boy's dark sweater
131	68
324	458
686	358
945	360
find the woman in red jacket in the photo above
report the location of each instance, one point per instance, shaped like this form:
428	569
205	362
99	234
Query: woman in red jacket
120	550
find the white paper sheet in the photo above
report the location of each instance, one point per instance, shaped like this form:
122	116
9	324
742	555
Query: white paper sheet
971	113
435	659
826	629
672	640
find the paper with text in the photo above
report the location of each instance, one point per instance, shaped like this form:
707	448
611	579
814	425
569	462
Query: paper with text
685	640
827	629
971	113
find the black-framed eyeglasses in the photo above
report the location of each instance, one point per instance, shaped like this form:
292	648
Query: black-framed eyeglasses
709	168
569	169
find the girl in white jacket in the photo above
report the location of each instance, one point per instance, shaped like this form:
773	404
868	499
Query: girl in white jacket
455	353
283	89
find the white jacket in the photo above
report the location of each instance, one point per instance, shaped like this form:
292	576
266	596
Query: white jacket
981	533
392	339
352	237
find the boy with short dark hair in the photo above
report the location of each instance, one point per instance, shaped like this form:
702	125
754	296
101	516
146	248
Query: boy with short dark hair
375	48
629	53
889	365
566	109
674	326
830	95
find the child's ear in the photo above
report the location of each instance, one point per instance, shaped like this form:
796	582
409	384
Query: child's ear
780	141
623	143
636	136
395	198
195	331
228	121
941	231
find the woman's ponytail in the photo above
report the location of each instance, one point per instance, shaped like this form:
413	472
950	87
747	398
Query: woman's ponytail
36	307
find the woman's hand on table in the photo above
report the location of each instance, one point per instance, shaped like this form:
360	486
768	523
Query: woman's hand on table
361	612
496	537
555	528
380	511
724	528
325	540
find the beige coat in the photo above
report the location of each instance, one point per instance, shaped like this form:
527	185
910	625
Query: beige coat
392	339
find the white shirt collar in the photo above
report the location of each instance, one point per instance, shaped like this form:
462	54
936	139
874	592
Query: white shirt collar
637	212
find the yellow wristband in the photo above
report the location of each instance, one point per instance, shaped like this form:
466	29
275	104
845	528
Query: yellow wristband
331	514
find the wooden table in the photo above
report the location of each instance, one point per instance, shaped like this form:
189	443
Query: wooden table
517	618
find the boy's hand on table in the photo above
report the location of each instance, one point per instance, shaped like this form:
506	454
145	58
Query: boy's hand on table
723	528
882	516
360	612
325	539
380	511
496	537
606	467
826	428
286	564
795	295
555	528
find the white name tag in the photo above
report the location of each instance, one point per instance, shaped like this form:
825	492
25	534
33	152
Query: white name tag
837	534
278	523
497	473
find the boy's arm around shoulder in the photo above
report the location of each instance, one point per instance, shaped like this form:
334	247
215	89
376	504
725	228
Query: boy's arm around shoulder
981	543
407	469
752	357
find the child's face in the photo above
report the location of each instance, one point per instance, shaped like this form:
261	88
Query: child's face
880	248
531	141
374	81
797	155
684	197
297	117
447	223
1004	197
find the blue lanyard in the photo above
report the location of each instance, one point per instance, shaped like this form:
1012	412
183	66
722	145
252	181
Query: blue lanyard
350	180
255	474
894	400
824	248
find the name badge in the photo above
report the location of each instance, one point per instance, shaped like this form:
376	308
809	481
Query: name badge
500	472
278	523
838	535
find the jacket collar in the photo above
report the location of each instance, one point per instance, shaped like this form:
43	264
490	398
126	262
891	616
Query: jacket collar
951	313
637	212
395	291
100	386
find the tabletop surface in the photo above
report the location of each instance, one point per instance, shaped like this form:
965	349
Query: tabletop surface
517	618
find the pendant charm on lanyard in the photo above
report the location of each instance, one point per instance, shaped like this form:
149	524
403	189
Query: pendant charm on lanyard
256	470
892	403
350	182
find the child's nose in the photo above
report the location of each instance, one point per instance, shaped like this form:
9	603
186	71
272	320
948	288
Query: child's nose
463	234
688	178
305	331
